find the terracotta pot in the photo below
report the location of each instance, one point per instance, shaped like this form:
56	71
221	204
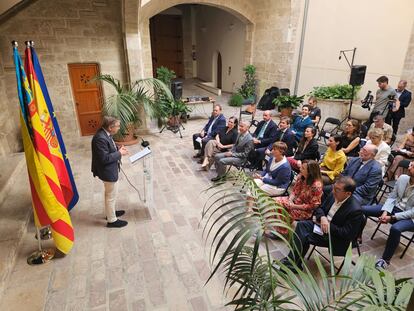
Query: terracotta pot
127	139
286	112
173	121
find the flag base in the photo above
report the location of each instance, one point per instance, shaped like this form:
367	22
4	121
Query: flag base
41	257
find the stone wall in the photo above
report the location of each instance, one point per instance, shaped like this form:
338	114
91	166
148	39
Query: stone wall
274	43
408	74
65	31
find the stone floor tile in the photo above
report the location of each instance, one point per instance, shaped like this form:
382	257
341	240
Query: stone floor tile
117	301
198	304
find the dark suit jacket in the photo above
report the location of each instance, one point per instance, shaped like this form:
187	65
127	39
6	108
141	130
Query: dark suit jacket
269	136
217	126
367	178
346	223
105	157
311	152
280	176
405	99
289	139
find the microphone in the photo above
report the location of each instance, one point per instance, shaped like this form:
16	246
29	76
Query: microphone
144	143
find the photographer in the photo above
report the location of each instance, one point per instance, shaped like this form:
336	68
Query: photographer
404	97
385	99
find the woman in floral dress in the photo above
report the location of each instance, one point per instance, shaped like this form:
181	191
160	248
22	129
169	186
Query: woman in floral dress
305	197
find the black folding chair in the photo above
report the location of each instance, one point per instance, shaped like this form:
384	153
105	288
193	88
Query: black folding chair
408	238
355	244
330	127
390	184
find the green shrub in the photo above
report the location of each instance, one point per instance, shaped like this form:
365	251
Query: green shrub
248	89
336	91
165	75
236	100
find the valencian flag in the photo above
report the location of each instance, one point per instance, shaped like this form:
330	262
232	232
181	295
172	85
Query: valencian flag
48	175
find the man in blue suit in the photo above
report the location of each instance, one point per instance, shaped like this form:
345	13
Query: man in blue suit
265	133
404	96
302	122
283	134
366	172
215	124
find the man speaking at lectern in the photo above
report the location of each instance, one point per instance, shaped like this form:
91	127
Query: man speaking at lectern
106	162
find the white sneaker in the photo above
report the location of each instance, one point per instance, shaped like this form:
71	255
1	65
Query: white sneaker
381	264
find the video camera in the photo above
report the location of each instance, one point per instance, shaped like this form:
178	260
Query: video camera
391	102
367	101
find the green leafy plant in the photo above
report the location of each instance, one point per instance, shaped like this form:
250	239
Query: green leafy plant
336	91
236	100
165	75
130	100
238	251
288	101
248	88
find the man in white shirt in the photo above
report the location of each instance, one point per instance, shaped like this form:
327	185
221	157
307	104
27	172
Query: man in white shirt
398	210
340	216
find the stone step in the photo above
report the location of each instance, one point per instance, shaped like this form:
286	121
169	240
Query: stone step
15	211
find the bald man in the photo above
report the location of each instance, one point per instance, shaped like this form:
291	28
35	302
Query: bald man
404	97
266	131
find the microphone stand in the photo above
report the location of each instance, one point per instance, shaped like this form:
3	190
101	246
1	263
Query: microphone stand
343	52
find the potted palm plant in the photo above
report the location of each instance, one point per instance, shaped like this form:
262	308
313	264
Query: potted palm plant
246	94
286	103
129	101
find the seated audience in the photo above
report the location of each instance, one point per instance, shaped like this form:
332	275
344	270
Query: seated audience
215	123
404	151
379	123
350	138
340	216
283	134
365	171
307	149
238	153
398	210
334	160
275	179
265	132
305	197
315	112
223	141
301	122
375	137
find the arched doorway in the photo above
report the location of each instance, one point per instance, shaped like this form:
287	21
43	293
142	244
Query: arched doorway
233	38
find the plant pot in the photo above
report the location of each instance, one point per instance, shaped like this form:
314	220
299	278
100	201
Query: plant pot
128	139
173	121
286	112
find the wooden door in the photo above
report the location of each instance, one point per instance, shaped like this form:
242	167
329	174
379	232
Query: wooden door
219	72
88	96
167	43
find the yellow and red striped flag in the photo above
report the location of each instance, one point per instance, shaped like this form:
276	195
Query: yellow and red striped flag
48	200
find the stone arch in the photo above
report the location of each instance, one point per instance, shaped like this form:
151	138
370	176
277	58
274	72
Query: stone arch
242	9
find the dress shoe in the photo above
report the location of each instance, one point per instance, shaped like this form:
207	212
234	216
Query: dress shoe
198	155
118	213
117	224
217	178
200	161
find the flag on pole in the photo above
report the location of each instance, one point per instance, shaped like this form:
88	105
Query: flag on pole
64	170
48	199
